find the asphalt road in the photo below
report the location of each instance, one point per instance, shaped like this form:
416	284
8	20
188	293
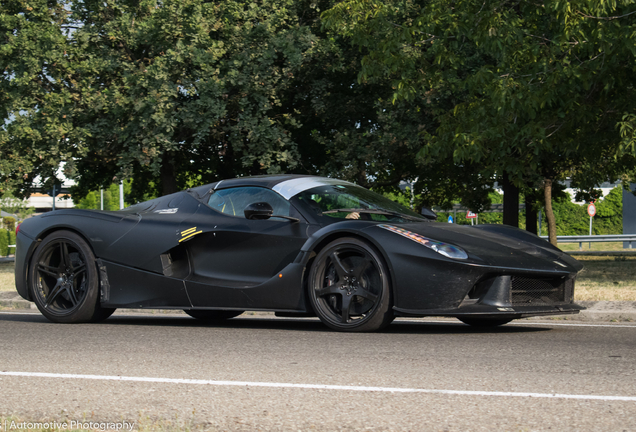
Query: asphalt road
288	374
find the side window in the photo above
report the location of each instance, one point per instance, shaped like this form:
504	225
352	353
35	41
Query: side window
233	201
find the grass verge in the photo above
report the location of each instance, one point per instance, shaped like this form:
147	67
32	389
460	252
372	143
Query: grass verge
7	278
606	278
600	246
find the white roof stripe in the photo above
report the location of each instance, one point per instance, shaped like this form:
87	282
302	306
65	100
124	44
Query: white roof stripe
289	188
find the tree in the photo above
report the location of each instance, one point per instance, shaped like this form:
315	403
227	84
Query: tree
164	91
32	52
177	93
538	92
92	200
16	206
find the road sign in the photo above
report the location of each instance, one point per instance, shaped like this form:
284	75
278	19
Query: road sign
591	209
470	215
450	219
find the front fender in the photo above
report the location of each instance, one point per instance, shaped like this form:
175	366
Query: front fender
390	246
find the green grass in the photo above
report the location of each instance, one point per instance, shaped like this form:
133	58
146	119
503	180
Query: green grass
600	246
607	278
604	278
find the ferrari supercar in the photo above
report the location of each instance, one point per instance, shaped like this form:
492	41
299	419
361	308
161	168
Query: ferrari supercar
295	245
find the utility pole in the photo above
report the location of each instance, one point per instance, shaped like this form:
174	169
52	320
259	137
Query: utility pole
413	191
121	195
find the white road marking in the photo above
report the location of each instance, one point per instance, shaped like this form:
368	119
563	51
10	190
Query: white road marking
317	386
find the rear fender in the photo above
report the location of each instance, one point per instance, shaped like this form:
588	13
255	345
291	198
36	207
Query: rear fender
87	224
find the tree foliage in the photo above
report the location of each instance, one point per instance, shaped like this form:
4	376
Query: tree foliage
93	199
174	93
17	206
537	90
32	54
183	92
573	218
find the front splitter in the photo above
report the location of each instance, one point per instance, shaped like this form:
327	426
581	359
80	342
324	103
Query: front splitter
481	310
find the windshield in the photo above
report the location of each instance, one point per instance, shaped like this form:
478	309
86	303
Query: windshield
354	202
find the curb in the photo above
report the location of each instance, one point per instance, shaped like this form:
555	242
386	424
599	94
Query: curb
597	311
13	300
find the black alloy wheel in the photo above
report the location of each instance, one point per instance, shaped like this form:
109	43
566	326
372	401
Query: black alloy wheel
349	287
63	280
484	322
212	315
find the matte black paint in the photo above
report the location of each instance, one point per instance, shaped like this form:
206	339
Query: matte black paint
176	252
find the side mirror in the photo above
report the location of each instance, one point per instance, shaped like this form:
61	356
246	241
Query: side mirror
258	211
428	213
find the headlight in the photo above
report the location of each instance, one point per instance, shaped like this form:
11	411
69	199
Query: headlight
446	249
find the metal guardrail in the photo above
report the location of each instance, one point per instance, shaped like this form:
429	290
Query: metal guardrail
629	238
494	208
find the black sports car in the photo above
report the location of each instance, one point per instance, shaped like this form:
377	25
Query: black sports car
296	245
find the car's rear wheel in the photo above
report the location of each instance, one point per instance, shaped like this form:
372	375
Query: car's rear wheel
485	322
349	287
212	315
63	280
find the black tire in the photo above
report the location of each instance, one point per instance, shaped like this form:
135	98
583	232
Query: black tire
485	322
63	280
212	315
349	287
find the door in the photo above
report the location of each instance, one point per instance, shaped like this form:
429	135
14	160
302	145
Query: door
237	262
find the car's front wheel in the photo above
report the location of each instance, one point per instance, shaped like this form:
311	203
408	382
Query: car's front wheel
349	287
63	280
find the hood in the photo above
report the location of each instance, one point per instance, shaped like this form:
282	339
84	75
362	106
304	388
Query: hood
499	245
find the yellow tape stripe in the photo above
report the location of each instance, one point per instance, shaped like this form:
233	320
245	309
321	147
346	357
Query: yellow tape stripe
188	231
191	235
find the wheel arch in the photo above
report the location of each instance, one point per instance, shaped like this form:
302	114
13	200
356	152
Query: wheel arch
38	239
312	248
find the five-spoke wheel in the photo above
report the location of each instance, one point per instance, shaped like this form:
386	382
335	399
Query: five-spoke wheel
349	286
63	279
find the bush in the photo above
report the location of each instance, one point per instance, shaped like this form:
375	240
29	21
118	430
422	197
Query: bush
11	242
4	242
571	219
9	223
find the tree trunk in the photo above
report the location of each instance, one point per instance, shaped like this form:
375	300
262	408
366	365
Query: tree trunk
167	175
549	214
531	214
510	202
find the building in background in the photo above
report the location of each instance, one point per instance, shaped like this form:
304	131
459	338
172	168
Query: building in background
44	203
42	199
